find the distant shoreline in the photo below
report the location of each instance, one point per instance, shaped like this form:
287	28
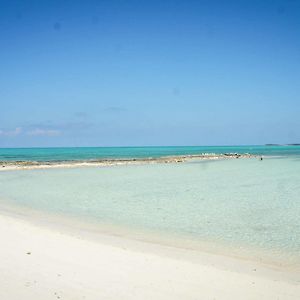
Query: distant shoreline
282	144
22	164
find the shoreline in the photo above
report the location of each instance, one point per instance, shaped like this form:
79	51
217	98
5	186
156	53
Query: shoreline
91	229
54	255
15	165
103	266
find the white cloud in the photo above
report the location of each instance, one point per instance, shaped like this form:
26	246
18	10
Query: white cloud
14	132
43	132
31	132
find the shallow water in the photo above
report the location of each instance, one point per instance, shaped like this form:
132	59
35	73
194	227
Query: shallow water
86	153
242	203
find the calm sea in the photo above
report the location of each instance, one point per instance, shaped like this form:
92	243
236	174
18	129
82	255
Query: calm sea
86	153
244	204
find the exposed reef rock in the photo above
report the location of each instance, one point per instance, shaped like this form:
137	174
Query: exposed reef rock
11	165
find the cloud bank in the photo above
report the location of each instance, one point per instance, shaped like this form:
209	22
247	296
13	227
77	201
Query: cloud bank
30	132
43	132
11	132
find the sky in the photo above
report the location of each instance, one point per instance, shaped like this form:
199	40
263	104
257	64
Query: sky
145	73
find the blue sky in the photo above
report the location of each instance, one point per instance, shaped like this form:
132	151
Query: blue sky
126	73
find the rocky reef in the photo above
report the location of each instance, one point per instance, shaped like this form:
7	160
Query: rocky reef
11	165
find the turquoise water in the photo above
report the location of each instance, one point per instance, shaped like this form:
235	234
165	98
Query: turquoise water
62	154
244	203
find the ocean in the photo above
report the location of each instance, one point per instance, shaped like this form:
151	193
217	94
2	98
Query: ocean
249	205
88	153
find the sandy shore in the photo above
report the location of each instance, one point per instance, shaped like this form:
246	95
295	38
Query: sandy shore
44	262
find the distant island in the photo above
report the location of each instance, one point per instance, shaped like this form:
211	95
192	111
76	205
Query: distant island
282	144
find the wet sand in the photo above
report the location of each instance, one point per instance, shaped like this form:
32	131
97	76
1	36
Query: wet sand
40	261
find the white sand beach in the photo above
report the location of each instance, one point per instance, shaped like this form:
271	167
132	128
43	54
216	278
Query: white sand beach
44	262
149	150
